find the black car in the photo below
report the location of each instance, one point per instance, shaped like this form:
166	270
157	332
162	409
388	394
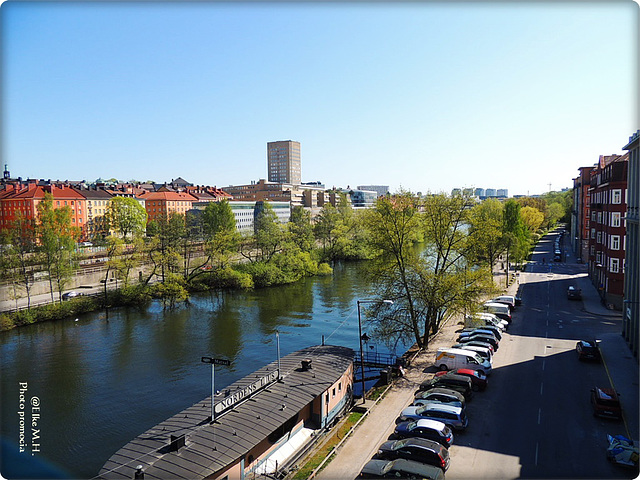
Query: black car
418	449
440	395
574	293
400	468
588	350
458	383
425	428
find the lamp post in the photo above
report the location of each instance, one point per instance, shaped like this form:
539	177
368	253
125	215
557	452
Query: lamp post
359	302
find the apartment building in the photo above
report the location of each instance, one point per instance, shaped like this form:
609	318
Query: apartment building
22	199
283	162
581	213
608	199
631	309
161	204
97	205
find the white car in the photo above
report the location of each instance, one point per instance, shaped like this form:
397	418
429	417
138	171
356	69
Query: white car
506	299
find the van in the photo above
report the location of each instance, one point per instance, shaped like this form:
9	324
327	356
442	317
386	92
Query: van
453	358
484	353
500	310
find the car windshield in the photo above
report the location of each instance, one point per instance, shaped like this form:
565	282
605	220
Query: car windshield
400	443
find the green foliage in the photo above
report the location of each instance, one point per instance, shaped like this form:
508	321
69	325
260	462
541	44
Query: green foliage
324	269
263	274
57	238
53	311
126	216
172	291
139	295
218	217
301	229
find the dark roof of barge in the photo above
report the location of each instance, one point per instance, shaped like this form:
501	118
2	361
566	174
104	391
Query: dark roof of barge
211	448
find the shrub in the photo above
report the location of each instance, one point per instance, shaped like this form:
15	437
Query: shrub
6	322
263	274
325	269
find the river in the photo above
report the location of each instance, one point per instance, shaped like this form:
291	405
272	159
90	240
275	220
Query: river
99	383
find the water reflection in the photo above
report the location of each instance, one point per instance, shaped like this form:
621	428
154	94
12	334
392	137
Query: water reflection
103	382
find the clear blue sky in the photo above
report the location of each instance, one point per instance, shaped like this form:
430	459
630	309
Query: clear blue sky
423	96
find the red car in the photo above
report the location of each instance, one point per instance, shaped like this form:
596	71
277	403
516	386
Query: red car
478	380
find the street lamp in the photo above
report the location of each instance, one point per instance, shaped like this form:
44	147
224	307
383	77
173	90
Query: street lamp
359	302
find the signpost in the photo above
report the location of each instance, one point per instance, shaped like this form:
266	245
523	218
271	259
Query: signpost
214	362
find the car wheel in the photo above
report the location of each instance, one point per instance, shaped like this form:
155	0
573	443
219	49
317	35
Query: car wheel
443	367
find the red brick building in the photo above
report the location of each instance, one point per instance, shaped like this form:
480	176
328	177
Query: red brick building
607	227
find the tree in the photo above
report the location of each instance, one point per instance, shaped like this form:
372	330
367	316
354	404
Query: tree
57	238
17	254
126	216
425	286
515	234
391	227
301	229
486	232
164	245
532	218
218	217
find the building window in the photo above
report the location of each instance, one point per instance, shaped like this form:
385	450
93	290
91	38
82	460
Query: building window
599	237
599	217
615	219
616	196
614	265
615	242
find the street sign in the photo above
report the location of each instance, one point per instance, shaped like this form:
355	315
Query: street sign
216	361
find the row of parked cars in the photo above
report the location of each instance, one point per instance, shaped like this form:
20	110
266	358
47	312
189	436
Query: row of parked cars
425	430
557	249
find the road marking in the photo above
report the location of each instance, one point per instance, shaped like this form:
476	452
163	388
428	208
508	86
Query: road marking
541	384
543	364
536	460
539	413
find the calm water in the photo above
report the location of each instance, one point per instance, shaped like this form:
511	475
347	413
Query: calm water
101	383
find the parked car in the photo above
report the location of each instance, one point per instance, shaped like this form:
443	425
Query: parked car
451	358
490	339
400	468
498	309
588	350
605	403
485	330
458	383
450	415
574	293
68	295
484	352
425	428
507	300
475	343
440	395
418	449
479	380
494	320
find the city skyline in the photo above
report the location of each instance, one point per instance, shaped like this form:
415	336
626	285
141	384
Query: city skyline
424	97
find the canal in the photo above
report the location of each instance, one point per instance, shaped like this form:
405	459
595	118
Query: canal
92	384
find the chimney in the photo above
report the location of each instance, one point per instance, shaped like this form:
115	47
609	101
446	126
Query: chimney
306	364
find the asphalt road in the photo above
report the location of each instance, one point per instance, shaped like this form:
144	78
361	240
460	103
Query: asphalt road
535	419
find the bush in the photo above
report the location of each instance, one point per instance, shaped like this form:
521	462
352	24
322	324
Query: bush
325	269
263	274
6	322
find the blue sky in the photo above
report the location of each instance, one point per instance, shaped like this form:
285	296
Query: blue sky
415	95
